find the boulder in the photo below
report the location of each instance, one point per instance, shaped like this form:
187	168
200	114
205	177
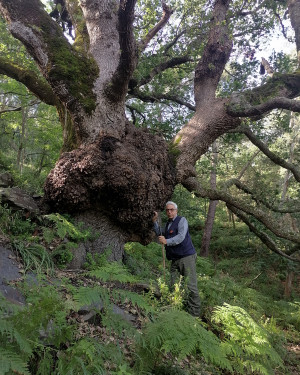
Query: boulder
10	271
17	199
6	179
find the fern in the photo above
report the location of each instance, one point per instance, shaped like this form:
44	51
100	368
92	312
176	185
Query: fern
14	347
116	323
180	335
91	296
136	299
84	357
12	362
247	340
46	362
113	271
90	357
10	334
66	228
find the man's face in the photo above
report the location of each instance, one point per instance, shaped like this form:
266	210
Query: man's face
171	211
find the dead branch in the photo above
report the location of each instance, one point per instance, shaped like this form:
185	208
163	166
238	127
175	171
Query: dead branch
266	67
10	110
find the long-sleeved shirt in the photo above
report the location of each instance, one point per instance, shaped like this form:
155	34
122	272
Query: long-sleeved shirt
182	230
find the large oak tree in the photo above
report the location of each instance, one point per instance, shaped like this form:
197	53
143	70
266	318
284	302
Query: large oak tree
111	173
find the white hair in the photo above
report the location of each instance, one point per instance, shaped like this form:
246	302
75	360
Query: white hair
173	203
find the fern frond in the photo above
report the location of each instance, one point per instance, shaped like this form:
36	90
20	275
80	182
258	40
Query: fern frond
66	228
136	299
85	357
117	323
91	296
113	271
179	334
242	331
10	361
8	330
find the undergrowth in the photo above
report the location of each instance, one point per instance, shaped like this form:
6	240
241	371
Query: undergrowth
102	322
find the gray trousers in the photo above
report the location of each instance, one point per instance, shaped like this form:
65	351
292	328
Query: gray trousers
186	267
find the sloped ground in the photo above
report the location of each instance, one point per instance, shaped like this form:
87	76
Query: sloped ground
89	318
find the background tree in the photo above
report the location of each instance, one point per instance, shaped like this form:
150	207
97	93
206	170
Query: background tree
125	54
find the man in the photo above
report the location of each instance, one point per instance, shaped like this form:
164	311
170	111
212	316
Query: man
180	250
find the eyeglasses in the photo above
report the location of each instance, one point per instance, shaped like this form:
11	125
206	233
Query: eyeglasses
170	209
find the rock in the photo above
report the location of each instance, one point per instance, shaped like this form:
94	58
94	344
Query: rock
18	199
6	179
9	271
79	257
90	313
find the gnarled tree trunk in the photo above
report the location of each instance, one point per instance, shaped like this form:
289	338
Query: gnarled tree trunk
113	175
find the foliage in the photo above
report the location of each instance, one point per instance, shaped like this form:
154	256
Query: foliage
30	137
14	224
63	255
178	334
137	300
64	228
248	341
96	296
14	348
174	298
85	357
143	261
113	271
243	332
34	257
30	330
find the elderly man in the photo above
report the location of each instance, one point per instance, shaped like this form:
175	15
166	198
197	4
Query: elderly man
180	250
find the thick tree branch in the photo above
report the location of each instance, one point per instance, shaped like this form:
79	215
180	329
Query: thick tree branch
241	186
154	97
70	73
35	83
294	12
262	215
10	110
215	54
210	119
118	86
167	12
174	41
276	93
261	109
275	158
262	235
171	63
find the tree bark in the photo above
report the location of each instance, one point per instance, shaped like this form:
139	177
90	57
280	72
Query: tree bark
212	205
